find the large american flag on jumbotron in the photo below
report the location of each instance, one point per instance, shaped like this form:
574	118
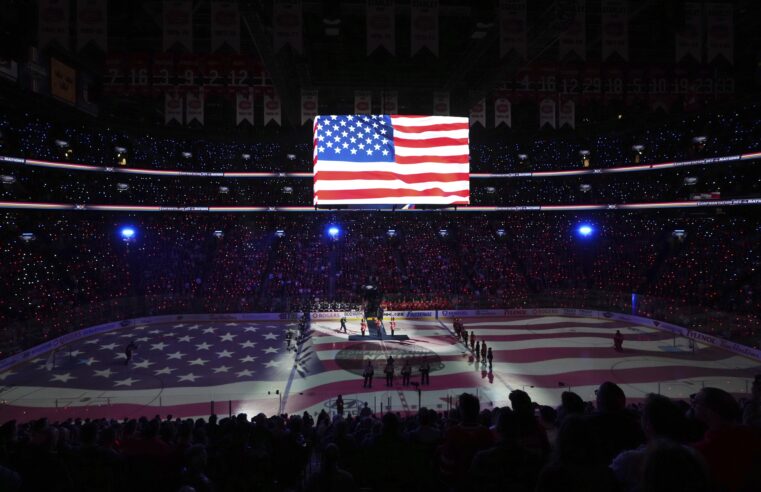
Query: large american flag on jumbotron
391	159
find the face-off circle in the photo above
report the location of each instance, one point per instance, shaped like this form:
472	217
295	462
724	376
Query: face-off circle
354	358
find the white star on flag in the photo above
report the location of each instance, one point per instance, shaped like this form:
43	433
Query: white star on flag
166	370
244	372
186	338
88	362
272	363
144	364
189	377
159	346
64	378
203	346
219	369
106	373
270	336
177	356
110	346
227	337
248	358
251	329
270	350
198	362
248	344
209	330
126	382
224	353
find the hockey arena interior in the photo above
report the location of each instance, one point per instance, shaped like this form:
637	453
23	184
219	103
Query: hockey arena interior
380	245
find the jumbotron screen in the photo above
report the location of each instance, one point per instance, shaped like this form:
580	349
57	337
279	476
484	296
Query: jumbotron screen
391	159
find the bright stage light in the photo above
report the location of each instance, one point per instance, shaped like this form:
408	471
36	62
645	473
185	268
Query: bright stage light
128	233
333	231
585	230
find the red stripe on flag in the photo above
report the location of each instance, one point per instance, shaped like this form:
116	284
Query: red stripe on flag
439	159
441	127
429	142
383	193
383	175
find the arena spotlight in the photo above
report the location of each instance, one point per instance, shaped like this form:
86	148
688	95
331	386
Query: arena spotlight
122	186
690	181
128	233
61	143
333	231
291	157
585	187
218	234
246	157
585	230
28	237
443	232
491	190
501	232
280	233
391	233
224	190
187	155
7	179
287	190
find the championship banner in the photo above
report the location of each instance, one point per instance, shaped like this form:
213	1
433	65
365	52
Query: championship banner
512	27
92	23
478	113
63	82
178	24
225	25
567	114
390	102
173	108
194	107
271	105
287	25
615	29
381	26
363	102
53	23
244	106
720	39
547	113
424	26
441	103
689	39
308	105
503	112
573	36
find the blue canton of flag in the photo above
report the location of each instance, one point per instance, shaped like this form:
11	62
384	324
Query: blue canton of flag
355	138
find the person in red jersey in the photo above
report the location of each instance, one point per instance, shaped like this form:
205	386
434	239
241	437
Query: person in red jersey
618	341
462	442
732	451
363	326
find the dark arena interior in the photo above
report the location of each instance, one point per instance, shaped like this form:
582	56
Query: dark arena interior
380	245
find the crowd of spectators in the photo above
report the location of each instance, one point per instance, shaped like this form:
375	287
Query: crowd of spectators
728	131
702	271
711	444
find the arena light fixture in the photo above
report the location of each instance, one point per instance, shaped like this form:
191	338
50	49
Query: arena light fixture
61	143
638	148
218	234
291	157
287	190
443	232
224	190
491	190
27	237
280	233
391	233
585	187
585	230
246	157
187	155
333	231
128	233
679	234
690	180
122	186
501	232
7	179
